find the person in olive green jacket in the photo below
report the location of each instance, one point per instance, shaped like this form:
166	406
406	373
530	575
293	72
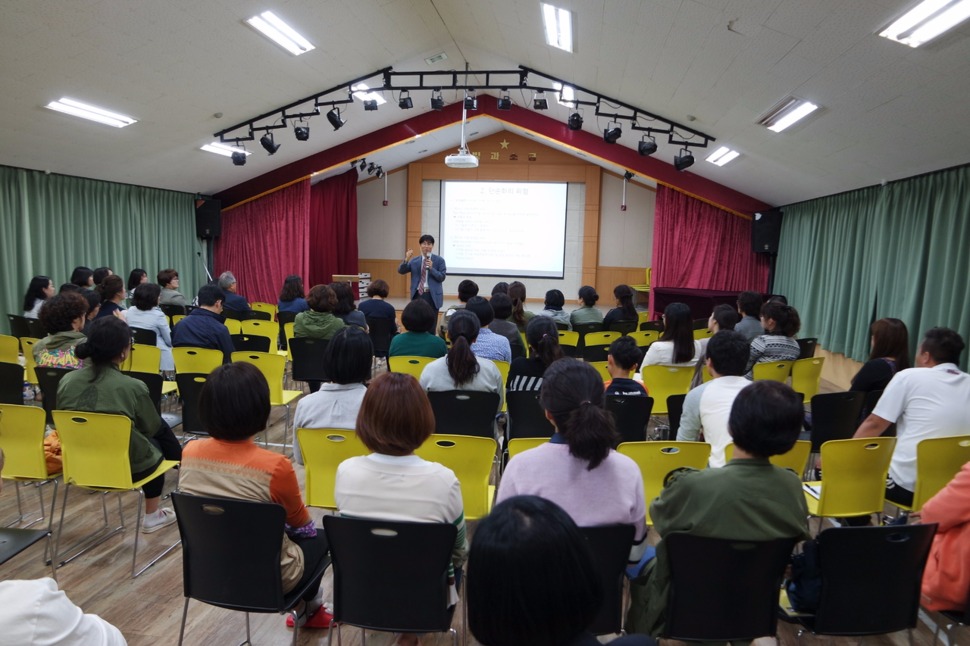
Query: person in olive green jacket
319	322
100	387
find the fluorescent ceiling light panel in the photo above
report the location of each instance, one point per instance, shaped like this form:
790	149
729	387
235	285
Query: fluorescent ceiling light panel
722	156
559	27
360	91
220	148
926	21
270	25
91	112
787	114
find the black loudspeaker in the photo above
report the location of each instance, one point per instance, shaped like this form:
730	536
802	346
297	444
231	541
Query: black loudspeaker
765	231
208	218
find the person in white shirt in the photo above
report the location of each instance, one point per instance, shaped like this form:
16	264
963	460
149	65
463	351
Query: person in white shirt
708	407
676	346
930	400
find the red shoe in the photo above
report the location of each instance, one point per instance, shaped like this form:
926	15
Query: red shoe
320	619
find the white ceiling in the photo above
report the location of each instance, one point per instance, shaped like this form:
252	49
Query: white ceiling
888	111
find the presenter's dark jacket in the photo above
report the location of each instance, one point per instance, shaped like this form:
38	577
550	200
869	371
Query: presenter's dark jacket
436	276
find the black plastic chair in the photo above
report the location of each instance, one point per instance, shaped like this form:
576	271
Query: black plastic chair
526	417
49	379
14	540
309	359
675	408
283	318
190	387
258	316
583	329
36	329
464	412
171	310
652	325
623	327
806	347
381	331
19	327
231	557
11	383
390	576
235	314
250	343
610	547
562	326
154	382
835	416
870	579
722	589
631	416
700	324
143	336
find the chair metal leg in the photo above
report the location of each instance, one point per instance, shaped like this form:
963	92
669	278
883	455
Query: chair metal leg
249	638
134	556
91	540
185	612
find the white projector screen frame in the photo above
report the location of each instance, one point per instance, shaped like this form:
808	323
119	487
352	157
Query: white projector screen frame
504	228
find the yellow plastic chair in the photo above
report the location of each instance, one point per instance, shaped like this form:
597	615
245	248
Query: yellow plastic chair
176	318
602	367
525	344
569	339
22	442
260	328
663	381
772	371
288	334
95	453
471	458
642	317
323	450
234	326
273	367
702	333
657	459
796	459
644	337
143	358
853	477
597	344
269	308
519	444
9	349
27	347
806	376
409	365
196	360
938	460
503	369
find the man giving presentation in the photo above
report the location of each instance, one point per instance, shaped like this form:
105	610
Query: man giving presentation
428	271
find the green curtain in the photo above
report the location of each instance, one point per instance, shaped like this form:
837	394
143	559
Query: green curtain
902	250
50	224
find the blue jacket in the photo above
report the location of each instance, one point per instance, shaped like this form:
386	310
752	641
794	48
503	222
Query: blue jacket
236	303
203	329
436	276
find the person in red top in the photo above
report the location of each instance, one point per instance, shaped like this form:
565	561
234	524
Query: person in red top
946	579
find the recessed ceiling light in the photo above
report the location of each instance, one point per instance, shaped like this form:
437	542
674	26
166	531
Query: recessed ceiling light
220	148
559	27
271	26
926	21
722	156
91	112
360	91
787	113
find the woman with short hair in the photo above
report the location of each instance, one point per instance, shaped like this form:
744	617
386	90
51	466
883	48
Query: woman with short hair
419	339
82	277
291	296
63	316
168	280
345	308
553	308
781	324
146	315
375	307
136	278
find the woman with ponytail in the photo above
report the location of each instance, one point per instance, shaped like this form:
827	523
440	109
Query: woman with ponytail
625	309
542	335
520	316
676	346
112	291
460	369
578	468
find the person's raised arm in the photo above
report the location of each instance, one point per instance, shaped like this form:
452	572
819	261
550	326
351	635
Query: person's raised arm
404	268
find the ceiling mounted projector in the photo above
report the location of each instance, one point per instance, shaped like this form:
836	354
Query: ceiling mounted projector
463	158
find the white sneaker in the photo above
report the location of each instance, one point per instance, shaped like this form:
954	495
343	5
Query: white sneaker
157	520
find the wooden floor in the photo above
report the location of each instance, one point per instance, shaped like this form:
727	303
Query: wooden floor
148	609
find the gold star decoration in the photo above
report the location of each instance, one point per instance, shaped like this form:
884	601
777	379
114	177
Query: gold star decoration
504	144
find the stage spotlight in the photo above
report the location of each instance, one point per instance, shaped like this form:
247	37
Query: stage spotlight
437	103
471	103
575	121
628	175
611	134
239	157
266	141
405	102
647	145
363	164
505	103
334	118
683	160
539	101
301	132
379	172
371	168
370	105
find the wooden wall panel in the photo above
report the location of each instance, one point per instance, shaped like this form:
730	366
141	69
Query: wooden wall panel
609	277
387	269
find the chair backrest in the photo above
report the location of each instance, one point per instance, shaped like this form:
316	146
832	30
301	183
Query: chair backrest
196	360
644	316
657	459
11	383
772	371
464	412
603	368
872	398
234	315
663	381
835	416
806	347
702	333
871	578
143	358
231	551
284	317
171	310
190	387
624	327
256	315
631	415
796	459
27	349
49	379
806	376
22	441
675	408
471	459
268	308
526	417
262	328
9	348
323	450
272	365
94	448
288	333
938	460
657	326
582	329
250	343
381	331
153	381
176	318
503	369
519	444
309	358
143	336
233	325
409	365
569	342
723	589
18	326
644	337
390	575
610	546
854	475
596	345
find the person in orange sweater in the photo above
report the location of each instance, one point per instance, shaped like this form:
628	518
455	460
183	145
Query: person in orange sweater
946	579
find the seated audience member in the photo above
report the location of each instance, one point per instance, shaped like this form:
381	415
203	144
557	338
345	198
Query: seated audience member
625	310
587	312
112	292
946	579
71	287
501	287
392	482
136	278
778	298
144	314
231	300
93	299
765	420
204	326
749	308
100	273
676	346
781	324
460	369
419	340
930	400
520	593
889	344
63	316
520	315
38	291
466	289
543	339
553	308
82	277
724	317
577	468
291	296
623	359
168	280
349	357
708	407
501	310
100	387
318	322
345	309
489	344
233	408
375	307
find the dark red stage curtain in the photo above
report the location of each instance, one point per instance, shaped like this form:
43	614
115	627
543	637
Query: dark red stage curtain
265	240
333	228
699	246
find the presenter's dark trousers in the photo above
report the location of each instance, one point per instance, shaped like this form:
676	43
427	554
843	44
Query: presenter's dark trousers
426	296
